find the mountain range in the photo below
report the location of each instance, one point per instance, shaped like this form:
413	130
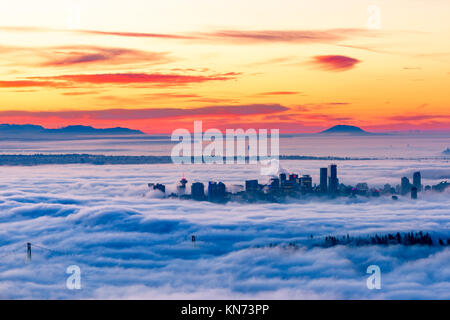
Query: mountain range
31	129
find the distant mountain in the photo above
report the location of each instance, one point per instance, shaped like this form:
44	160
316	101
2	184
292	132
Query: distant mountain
79	129
20	128
344	129
446	152
27	129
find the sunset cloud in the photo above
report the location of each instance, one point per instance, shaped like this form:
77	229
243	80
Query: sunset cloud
279	93
28	83
227	35
158	79
419	117
335	62
83	55
139	79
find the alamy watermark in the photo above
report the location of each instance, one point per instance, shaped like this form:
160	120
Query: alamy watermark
374	280
73	282
235	147
373	17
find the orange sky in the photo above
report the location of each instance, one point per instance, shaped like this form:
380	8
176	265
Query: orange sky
294	65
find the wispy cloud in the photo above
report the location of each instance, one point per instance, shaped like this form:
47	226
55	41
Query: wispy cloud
419	117
229	36
129	79
82	55
279	93
140	78
334	62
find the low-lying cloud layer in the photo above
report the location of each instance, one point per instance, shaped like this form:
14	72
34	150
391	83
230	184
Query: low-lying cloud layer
131	243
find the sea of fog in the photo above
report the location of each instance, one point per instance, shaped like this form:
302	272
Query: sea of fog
131	243
375	146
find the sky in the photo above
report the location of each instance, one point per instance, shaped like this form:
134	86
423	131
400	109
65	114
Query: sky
299	66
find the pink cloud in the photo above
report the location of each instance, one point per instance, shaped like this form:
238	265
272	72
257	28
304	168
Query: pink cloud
335	62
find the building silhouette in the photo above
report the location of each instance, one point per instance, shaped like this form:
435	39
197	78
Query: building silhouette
405	186
306	183
417	180
181	188
413	193
251	185
274	185
216	191
198	191
323	180
333	181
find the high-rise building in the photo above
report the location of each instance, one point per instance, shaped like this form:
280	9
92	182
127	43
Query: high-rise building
306	183
405	186
333	181
417	180
323	180
274	184
216	191
198	191
282	177
251	185
413	193
293	178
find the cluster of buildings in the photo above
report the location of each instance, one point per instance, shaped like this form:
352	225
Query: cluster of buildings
295	186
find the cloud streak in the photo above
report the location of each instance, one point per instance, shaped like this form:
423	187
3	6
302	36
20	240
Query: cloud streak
228	36
129	79
334	62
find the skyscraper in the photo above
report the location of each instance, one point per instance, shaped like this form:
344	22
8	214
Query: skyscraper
216	191
417	181
405	186
198	191
306	183
323	180
413	193
333	181
274	185
251	185
293	177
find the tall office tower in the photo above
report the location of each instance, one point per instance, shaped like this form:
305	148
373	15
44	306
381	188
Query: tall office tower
417	181
405	186
274	184
323	180
221	191
211	190
413	193
251	185
306	183
293	178
198	191
333	181
216	191
282	177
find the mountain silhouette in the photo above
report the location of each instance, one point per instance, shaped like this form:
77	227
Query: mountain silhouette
344	129
28	129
